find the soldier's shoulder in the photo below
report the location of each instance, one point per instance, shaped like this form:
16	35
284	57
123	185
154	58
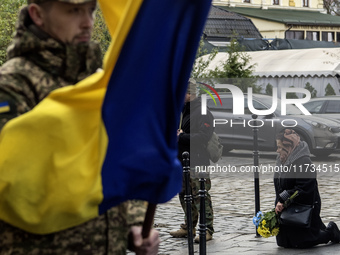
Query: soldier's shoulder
16	65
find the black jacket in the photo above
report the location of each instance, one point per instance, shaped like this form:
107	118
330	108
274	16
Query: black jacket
302	177
197	130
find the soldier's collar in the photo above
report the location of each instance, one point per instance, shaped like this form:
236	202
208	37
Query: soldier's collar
42	35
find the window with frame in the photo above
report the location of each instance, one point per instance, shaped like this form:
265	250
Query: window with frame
327	36
246	1
313	35
256	105
333	107
227	104
305	3
276	2
314	106
294	35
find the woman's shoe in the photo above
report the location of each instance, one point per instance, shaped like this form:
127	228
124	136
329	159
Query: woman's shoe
333	229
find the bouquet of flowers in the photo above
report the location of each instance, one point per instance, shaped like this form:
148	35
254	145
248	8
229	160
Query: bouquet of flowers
268	223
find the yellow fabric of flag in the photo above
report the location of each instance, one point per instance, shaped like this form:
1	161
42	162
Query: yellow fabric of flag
49	183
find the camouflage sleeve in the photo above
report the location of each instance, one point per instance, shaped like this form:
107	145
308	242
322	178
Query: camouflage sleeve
136	212
15	97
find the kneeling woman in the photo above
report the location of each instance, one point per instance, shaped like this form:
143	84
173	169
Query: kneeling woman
294	154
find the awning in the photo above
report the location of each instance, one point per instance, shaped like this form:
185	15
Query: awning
288	17
290	63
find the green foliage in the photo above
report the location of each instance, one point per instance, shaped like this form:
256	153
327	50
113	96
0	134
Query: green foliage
201	64
100	32
235	66
8	17
269	89
329	91
291	95
311	89
236	69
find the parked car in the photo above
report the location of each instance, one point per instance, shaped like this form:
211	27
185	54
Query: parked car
236	131
328	107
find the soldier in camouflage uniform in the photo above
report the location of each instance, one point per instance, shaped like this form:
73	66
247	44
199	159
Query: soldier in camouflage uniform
52	49
195	131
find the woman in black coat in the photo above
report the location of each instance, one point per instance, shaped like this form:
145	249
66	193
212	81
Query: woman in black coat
298	174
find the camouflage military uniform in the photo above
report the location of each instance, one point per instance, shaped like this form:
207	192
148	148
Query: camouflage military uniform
38	64
106	234
197	128
195	205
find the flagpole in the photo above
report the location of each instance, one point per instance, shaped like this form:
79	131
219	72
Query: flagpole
148	221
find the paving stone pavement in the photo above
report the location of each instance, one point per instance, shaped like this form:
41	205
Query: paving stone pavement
233	202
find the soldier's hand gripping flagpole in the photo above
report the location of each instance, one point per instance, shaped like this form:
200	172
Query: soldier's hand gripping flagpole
149	218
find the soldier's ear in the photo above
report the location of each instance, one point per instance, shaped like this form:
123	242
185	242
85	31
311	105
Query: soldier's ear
37	14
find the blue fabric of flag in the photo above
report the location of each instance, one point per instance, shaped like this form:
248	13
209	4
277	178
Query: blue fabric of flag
4	107
144	99
2	104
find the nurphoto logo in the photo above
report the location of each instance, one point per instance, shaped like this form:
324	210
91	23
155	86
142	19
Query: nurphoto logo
239	105
238	102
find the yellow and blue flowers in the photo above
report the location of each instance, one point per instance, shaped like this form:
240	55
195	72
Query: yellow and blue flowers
267	223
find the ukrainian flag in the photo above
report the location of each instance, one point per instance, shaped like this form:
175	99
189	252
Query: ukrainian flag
4	107
111	137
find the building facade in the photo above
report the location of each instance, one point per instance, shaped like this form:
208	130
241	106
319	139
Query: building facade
287	19
316	5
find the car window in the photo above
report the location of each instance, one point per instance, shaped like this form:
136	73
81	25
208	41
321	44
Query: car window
333	107
314	106
290	109
256	104
227	104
